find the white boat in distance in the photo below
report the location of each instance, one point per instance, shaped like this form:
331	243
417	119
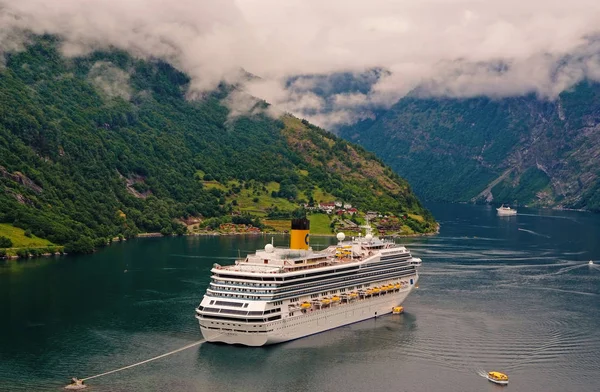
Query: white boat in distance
505	211
280	294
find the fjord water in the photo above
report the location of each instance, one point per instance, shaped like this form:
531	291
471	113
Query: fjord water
513	294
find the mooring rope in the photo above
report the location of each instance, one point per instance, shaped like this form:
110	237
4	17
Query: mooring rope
146	361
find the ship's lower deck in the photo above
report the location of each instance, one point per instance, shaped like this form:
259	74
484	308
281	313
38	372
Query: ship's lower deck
303	323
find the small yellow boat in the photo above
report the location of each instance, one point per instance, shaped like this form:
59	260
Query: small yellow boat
369	292
305	305
335	298
353	295
498	378
325	301
375	290
397	286
397	310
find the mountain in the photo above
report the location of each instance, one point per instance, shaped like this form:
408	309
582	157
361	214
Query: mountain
520	150
105	145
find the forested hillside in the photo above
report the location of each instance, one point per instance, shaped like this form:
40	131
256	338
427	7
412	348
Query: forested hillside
107	145
523	150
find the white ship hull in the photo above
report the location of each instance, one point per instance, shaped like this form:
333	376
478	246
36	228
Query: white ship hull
507	213
309	323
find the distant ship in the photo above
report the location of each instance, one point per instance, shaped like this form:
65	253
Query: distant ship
506	211
280	294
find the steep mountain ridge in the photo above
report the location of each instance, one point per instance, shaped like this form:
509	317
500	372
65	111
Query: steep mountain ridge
107	145
519	150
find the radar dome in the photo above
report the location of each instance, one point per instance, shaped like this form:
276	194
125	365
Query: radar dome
340	236
369	237
269	248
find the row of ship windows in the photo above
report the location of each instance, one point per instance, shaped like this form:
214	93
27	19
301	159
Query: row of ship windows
283	279
364	278
269	330
296	285
338	278
294	279
271	319
263	320
337	281
235	330
360	286
227	303
238	312
394	274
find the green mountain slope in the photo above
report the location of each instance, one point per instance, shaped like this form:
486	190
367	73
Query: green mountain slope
515	150
107	145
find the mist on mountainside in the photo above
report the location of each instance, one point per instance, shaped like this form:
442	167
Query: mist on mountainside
458	48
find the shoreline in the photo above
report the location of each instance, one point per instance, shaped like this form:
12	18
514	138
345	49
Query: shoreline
215	234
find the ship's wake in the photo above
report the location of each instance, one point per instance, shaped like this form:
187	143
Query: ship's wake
533	232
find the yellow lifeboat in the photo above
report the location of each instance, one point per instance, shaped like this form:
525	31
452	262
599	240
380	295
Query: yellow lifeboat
376	290
397	310
390	287
325	301
305	305
498	378
369	291
335	298
397	286
353	295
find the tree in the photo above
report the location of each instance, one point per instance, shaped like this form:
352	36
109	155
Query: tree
82	245
5	242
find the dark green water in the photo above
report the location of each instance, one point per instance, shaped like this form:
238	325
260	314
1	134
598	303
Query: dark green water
513	294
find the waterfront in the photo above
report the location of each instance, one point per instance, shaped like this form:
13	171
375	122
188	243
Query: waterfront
513	294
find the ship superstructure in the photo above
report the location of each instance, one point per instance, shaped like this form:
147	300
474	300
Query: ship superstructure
279	294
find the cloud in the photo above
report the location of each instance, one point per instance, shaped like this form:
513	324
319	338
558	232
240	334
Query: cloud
111	80
443	47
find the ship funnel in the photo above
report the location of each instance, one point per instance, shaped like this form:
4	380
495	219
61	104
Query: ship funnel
300	233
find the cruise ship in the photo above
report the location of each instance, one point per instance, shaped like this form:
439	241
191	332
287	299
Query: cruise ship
280	294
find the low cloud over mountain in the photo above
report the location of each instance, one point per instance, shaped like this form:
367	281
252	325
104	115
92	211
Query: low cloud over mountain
444	47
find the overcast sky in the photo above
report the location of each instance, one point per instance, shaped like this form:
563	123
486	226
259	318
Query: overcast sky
448	47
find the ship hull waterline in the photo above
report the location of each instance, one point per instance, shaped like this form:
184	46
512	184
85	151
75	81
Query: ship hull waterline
312	322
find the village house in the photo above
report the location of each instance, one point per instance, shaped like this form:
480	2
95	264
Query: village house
327	207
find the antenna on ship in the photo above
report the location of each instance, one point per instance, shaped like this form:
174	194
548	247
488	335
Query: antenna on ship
368	229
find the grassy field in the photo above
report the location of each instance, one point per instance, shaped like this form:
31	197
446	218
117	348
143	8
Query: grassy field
257	199
18	238
406	230
321	196
416	217
279	225
319	224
